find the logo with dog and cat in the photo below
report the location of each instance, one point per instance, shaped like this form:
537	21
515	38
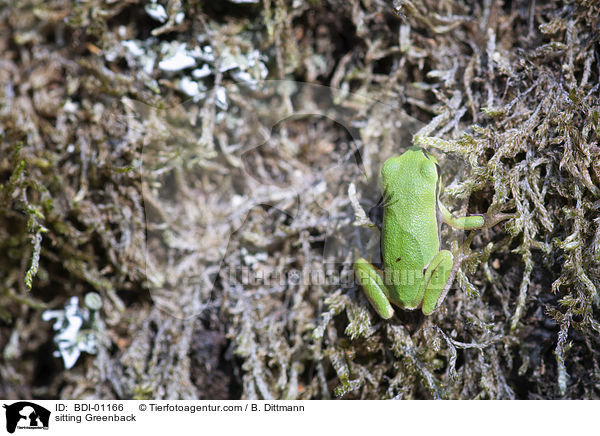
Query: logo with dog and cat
25	415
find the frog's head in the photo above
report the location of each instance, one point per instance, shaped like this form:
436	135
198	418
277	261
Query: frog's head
414	169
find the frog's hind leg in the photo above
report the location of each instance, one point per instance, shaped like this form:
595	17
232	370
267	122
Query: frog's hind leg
372	283
435	279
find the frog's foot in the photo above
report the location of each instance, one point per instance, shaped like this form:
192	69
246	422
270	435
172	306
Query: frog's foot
372	283
491	221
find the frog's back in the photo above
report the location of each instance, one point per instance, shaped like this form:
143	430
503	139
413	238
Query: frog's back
410	224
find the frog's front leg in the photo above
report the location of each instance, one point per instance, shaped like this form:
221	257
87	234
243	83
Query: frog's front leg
435	280
465	223
371	280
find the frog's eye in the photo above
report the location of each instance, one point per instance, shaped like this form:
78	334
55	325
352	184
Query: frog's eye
389	169
429	170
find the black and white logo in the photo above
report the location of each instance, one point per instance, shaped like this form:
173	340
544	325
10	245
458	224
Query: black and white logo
26	415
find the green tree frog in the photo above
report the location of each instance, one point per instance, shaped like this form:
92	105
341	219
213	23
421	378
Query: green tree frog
415	271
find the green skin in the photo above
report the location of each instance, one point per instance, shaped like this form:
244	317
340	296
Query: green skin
416	270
